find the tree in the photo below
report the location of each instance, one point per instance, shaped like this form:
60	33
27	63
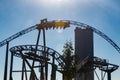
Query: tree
69	69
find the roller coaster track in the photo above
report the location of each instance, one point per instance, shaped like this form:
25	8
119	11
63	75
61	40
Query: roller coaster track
81	25
17	51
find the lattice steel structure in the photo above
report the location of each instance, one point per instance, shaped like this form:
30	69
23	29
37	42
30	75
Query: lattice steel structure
32	54
51	24
29	53
91	63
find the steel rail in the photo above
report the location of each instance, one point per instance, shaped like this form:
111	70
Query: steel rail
81	25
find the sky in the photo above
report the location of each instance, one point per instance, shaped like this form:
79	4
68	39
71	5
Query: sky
104	15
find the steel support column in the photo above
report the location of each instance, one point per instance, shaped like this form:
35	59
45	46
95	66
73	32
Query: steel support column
11	67
42	73
46	64
6	61
38	38
53	72
109	75
23	69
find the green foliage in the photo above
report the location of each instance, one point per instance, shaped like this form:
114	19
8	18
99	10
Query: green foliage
69	69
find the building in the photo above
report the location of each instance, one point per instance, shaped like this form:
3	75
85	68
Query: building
84	48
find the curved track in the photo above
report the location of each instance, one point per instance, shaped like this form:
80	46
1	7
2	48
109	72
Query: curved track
22	50
82	25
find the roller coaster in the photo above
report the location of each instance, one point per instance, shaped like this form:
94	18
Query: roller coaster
82	25
41	55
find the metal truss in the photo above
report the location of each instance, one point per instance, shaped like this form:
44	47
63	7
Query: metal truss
49	23
16	51
27	54
91	63
42	54
2	43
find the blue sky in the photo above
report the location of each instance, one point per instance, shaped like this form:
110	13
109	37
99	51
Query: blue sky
16	15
